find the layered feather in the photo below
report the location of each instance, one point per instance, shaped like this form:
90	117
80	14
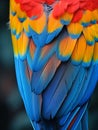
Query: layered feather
55	47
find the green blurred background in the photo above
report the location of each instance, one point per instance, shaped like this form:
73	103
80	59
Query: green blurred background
12	112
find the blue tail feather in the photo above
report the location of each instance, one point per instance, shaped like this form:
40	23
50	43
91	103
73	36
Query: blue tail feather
83	86
57	97
93	78
32	101
74	121
72	99
79	116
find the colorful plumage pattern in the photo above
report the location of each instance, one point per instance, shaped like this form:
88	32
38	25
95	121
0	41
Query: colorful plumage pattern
55	45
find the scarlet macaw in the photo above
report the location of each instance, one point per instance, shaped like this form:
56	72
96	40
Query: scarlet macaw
55	46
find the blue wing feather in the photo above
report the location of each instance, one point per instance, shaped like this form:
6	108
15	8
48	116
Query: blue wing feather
45	77
93	79
75	90
79	116
31	100
64	84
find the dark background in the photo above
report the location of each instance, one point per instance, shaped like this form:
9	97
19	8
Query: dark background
12	112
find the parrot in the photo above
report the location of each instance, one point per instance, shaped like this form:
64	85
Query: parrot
55	45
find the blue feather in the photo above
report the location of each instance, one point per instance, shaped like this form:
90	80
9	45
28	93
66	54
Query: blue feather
39	39
13	31
61	90
52	87
84	121
32	101
13	13
79	116
72	79
39	62
77	91
83	87
65	22
79	127
93	78
18	78
46	76
63	119
74	36
70	118
52	35
18	35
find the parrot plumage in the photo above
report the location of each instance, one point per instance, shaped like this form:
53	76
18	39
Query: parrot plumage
55	45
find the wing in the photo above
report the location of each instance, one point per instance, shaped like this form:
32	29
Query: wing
55	47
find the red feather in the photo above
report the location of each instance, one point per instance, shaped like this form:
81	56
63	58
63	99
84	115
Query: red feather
77	16
35	7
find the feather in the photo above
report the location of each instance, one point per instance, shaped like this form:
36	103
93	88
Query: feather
84	121
52	87
15	46
59	93
66	18
95	32
46	75
86	18
79	50
32	101
93	79
79	116
95	56
73	120
89	35
36	30
95	16
88	55
23	42
77	87
53	28
66	47
30	54
40	55
74	30
70	119
56	61
35	24
73	90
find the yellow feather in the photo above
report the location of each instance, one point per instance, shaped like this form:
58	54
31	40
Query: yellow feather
37	25
20	13
66	17
95	15
79	49
53	24
94	29
19	28
66	46
75	28
95	56
15	45
11	20
15	22
23	44
88	34
26	25
87	16
88	54
13	6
